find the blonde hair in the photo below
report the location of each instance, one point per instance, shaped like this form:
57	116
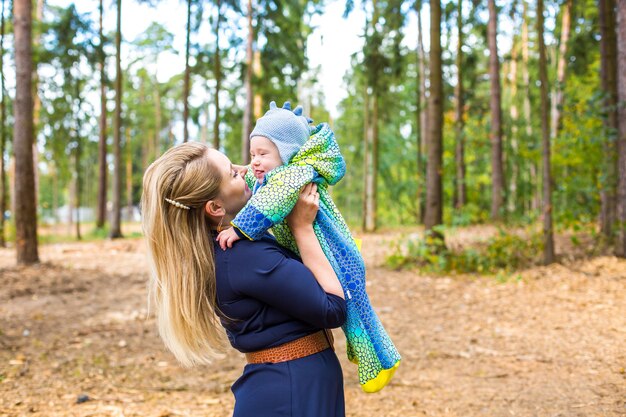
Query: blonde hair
180	249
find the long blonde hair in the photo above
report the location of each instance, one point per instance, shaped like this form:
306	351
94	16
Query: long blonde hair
182	282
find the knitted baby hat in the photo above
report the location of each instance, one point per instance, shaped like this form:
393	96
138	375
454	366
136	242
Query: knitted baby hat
287	129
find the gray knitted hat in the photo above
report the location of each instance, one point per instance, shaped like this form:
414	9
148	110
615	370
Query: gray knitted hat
287	129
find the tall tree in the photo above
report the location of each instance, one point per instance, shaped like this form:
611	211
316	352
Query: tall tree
459	154
187	76
608	79
78	179
370	149
434	141
3	109
25	206
621	64
102	142
515	170
217	74
247	112
558	97
422	116
116	230
496	114
38	25
548	240
535	197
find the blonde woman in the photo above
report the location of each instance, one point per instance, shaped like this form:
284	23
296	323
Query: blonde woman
274	306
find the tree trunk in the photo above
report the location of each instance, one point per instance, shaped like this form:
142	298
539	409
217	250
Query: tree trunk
418	119
366	152
116	230
102	142
434	191
496	115
608	76
3	109
535	185
36	101
371	166
621	142
247	113
156	95
459	154
423	112
557	99
512	195
55	193
187	76
24	196
548	241
77	179
129	177
217	73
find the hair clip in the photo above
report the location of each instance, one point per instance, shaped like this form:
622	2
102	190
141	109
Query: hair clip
177	204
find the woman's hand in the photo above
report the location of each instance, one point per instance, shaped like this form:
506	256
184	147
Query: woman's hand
305	209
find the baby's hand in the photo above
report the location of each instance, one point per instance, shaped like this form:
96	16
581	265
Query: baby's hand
227	237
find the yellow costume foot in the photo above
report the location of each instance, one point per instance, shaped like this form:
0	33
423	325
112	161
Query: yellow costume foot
382	379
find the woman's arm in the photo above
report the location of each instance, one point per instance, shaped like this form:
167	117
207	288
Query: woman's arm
300	221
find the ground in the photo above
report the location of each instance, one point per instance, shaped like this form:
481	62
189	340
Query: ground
548	341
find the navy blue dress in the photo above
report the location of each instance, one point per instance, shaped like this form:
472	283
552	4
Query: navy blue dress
269	298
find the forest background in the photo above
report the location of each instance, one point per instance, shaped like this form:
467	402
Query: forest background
502	112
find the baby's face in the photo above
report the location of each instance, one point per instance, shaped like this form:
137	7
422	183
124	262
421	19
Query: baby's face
264	156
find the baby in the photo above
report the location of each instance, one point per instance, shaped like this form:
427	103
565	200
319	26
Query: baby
287	154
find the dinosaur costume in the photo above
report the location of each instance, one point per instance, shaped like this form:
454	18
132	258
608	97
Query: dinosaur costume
320	161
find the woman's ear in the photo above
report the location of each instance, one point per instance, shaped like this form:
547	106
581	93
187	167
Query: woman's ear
214	208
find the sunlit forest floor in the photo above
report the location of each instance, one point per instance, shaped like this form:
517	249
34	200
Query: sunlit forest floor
549	341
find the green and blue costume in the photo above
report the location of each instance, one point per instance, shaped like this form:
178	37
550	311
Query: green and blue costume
319	160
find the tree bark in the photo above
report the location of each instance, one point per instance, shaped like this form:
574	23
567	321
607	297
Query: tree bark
512	195
608	77
459	153
116	230
548	240
366	152
25	207
35	88
418	117
434	190
3	109
247	113
156	95
372	169
557	99
217	71
102	142
496	115
535	183
621	143
77	157
129	177
423	112
187	76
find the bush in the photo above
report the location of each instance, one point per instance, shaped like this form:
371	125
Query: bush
504	252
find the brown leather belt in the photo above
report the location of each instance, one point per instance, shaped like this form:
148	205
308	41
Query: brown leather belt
299	348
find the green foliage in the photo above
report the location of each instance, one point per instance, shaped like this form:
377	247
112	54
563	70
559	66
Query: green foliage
503	253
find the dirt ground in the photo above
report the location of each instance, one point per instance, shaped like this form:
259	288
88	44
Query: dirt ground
549	341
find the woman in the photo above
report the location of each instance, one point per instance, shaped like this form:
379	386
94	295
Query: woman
273	305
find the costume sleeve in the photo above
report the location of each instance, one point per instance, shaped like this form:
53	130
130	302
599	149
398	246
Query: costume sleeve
273	201
288	285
